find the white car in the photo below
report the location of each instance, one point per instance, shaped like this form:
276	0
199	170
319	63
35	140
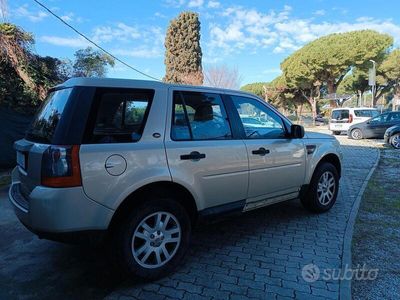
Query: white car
342	118
141	162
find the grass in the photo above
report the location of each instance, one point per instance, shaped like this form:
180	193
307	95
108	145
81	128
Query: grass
376	236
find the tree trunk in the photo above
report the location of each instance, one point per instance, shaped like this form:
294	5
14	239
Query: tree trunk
313	104
331	90
266	93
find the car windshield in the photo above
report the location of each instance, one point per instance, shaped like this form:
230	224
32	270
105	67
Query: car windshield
340	114
49	115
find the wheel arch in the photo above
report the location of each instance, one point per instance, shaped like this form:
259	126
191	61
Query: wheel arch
333	159
160	188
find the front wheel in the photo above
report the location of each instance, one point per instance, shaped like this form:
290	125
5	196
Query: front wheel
395	141
356	134
336	132
323	189
153	238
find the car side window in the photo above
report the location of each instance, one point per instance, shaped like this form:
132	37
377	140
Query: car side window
259	121
199	116
379	119
121	116
394	117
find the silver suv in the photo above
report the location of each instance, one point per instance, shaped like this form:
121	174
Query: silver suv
140	163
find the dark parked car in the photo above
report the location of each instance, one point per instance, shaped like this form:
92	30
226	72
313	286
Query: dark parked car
392	136
374	127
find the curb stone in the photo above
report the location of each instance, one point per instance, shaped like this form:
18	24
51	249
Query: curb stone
345	285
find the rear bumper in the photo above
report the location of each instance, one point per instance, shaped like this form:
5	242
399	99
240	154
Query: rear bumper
56	211
339	126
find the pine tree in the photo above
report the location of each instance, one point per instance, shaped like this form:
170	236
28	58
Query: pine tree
183	52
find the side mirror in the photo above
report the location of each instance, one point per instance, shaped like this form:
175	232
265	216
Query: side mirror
297	131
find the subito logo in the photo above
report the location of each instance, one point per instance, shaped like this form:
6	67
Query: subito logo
310	273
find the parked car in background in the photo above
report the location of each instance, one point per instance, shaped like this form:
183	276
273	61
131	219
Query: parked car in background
392	136
375	127
343	118
142	162
321	120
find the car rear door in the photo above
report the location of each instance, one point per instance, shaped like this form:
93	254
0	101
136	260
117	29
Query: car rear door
122	149
203	152
276	162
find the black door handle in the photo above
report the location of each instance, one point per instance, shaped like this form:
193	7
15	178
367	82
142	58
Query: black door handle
194	155
262	151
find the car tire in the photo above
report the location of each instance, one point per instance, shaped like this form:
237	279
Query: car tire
323	189
395	141
336	132
141	229
356	134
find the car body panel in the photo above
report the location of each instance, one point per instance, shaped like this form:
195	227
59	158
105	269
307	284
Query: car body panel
229	175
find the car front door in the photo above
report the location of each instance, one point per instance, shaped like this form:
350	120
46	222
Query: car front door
377	126
203	153
276	161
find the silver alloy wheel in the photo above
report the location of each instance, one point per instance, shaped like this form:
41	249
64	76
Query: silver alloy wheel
326	188
356	134
156	240
396	141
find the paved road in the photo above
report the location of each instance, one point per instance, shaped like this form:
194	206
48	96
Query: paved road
259	255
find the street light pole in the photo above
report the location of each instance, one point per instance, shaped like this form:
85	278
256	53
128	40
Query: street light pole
372	80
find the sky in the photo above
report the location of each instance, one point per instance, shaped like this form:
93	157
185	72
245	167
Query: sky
251	36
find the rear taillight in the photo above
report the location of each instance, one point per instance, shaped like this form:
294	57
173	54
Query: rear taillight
350	118
60	166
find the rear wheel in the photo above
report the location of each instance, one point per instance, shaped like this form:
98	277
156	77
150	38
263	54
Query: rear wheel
323	189
395	141
152	240
356	134
336	132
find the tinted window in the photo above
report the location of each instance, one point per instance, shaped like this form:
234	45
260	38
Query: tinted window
379	119
340	114
199	116
366	113
49	115
121	116
394	117
259	122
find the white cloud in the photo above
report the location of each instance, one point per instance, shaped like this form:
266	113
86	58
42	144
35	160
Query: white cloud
174	3
141	52
160	15
73	42
71	17
213	4
320	12
24	12
241	29
195	3
119	32
272	71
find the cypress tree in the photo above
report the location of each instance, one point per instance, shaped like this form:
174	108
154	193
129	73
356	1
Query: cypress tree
182	50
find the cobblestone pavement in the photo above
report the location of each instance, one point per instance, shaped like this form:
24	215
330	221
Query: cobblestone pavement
261	254
258	255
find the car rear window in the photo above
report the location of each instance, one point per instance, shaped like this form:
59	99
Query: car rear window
340	114
46	120
120	115
365	113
